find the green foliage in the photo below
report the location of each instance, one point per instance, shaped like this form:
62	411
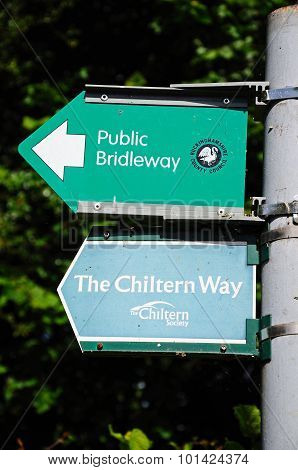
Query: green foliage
247	416
13	386
30	124
3	369
136	79
249	419
133	440
185	446
46	399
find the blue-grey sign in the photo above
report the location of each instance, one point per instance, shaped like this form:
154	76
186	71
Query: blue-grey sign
159	292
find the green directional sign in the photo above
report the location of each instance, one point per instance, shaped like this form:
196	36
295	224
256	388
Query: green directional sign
140	158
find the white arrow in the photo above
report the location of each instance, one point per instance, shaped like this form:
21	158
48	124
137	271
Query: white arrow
60	149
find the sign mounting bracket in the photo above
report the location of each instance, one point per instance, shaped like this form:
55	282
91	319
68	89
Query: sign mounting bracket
276	331
279	94
224	95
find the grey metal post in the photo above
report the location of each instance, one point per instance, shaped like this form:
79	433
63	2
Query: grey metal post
280	273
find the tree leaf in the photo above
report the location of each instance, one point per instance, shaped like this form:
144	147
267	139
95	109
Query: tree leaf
116	435
137	440
249	419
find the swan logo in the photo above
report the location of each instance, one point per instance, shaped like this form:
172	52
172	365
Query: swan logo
209	155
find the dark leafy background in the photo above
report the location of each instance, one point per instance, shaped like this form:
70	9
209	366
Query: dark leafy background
48	51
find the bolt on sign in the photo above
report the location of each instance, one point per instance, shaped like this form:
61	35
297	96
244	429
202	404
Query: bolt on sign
158	151
161	296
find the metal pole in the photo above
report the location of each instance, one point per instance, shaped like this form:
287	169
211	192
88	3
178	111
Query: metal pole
280	273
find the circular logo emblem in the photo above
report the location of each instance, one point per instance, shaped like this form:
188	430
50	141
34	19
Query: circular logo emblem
209	155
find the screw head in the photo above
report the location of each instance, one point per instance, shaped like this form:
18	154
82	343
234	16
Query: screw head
106	234
97	206
226	100
99	347
223	348
104	97
221	212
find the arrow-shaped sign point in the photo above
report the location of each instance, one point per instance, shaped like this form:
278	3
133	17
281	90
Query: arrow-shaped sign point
60	149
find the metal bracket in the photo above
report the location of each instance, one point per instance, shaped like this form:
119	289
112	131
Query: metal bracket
168	211
275	331
279	94
262	210
280	208
256	202
264	251
224	95
289	231
251	90
264	344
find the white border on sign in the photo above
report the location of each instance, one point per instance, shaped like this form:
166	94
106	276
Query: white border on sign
125	339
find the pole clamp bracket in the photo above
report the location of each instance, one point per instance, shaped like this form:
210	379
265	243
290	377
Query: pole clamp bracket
278	94
275	331
280	208
283	233
263	210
